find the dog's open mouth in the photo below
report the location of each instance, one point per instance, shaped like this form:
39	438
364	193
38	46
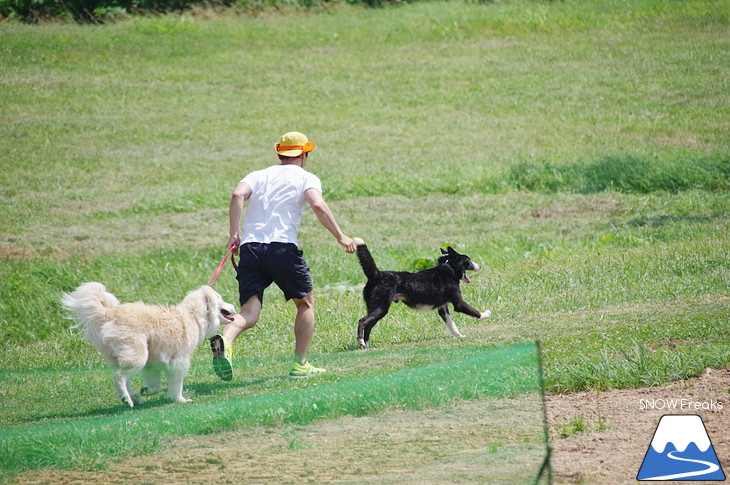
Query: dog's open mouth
228	316
474	267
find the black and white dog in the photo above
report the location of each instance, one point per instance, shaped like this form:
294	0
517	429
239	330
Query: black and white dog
429	289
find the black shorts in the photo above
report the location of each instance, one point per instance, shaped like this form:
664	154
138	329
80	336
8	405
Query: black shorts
281	263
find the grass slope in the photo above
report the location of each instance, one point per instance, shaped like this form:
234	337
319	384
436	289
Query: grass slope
576	150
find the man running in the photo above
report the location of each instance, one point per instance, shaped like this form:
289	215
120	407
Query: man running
268	249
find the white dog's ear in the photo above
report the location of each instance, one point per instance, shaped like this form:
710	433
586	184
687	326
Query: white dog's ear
208	298
211	298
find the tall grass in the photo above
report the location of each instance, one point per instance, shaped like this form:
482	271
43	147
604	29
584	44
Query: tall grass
623	173
634	365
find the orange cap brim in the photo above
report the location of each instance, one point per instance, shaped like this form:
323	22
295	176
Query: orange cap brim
294	150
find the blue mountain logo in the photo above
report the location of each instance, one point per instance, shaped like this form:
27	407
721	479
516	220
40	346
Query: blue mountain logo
680	450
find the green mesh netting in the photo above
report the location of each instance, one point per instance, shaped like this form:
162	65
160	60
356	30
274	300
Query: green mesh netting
478	419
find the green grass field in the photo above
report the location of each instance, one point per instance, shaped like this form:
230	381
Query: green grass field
578	151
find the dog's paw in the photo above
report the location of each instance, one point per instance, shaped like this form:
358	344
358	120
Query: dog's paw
181	399
362	343
358	241
485	315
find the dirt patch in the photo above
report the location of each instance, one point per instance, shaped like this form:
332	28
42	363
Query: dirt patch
596	438
683	140
577	206
618	427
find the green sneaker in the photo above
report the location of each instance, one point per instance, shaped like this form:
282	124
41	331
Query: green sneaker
298	370
222	357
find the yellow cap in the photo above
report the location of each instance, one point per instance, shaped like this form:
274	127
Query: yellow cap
293	144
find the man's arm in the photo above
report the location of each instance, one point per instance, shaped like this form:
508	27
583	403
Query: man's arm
327	219
241	194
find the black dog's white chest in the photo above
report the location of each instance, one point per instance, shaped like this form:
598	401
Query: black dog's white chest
421	307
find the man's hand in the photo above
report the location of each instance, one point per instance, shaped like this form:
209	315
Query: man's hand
234	241
348	244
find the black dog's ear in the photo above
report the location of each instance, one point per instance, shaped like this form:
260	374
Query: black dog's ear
451	250
443	252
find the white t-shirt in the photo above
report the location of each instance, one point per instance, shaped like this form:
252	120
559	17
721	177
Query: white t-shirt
275	207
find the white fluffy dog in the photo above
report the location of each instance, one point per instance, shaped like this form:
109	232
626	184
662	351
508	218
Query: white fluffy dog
135	337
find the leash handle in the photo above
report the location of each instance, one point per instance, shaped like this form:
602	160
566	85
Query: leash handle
220	266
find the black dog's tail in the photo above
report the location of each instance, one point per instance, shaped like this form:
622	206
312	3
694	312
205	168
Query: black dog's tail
366	259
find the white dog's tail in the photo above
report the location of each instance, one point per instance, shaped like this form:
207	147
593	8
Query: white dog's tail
89	304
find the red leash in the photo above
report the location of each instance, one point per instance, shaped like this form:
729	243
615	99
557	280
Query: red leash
220	266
